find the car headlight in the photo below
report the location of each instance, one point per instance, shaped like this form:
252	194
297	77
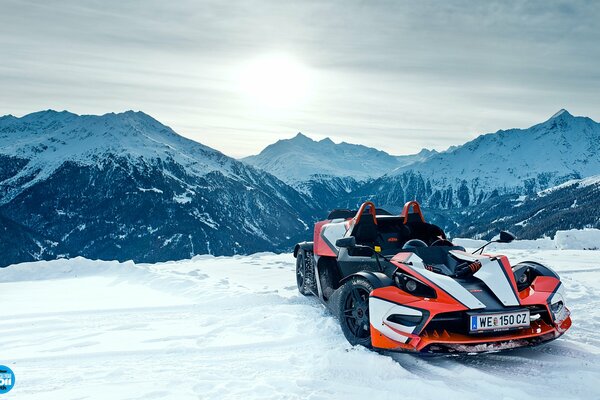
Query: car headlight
559	312
413	286
524	277
557	305
526	272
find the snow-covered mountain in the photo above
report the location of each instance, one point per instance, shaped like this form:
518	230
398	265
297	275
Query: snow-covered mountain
124	186
300	159
517	161
48	139
324	170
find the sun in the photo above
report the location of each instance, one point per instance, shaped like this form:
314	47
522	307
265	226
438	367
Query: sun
275	81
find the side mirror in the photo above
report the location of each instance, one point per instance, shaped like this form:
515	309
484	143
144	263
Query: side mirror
346	242
506	237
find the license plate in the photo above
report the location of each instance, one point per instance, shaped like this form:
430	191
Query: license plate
499	322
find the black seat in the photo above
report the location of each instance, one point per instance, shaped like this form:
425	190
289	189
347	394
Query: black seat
365	233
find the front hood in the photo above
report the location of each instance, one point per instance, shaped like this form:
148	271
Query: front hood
492	274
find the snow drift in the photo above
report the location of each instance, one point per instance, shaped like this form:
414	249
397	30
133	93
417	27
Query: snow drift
573	239
236	327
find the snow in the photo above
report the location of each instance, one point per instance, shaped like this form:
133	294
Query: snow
526	221
183	198
236	327
573	239
560	149
49	138
155	190
580	183
559	113
302	159
586	239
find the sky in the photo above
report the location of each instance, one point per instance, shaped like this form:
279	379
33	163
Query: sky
239	75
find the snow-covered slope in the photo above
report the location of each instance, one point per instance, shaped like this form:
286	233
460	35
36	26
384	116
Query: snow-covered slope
236	328
325	171
515	161
48	139
302	159
571	205
124	186
524	160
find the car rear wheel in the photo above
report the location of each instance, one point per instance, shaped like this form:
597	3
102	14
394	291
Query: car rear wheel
353	311
301	274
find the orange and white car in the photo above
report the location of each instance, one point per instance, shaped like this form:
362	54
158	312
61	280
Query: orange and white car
397	283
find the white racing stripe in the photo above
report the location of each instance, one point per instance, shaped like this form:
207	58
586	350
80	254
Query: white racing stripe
446	283
492	273
333	231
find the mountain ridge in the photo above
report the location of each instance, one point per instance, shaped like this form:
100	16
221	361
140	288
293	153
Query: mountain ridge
297	159
123	186
546	154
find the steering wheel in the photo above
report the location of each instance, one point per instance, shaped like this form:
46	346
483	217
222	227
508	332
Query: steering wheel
414	243
442	242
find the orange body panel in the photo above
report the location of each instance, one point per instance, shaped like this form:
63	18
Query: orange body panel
538	329
319	246
545	284
537	294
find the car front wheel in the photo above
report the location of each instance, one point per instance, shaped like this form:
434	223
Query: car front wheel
353	311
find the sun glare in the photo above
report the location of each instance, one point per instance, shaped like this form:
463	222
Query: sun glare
276	81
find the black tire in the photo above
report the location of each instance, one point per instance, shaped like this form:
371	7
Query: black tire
353	311
301	273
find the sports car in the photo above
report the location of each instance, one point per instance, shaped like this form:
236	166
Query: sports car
397	283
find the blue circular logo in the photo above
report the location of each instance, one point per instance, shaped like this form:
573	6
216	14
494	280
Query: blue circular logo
7	379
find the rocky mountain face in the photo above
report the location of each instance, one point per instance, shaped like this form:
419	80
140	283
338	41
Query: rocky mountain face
571	205
124	186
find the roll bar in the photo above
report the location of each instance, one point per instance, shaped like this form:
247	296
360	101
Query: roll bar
406	210
361	210
416	210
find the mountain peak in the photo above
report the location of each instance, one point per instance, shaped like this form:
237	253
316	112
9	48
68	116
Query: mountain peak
562	113
561	118
427	152
49	114
139	114
301	136
49	138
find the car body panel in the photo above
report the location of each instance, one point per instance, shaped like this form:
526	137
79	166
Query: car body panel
401	321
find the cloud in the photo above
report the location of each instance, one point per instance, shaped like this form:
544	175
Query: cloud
397	75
